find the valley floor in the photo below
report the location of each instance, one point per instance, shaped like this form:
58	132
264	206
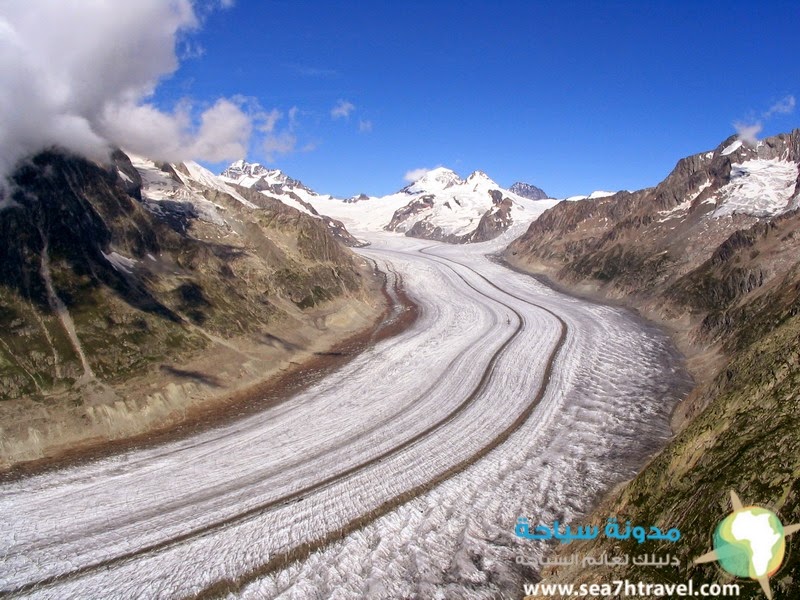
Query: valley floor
399	475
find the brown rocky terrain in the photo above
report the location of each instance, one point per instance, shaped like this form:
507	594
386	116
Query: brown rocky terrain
122	309
712	254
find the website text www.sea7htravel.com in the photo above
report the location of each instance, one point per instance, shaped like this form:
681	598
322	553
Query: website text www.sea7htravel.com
629	589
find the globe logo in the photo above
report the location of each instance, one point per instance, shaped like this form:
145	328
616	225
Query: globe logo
750	542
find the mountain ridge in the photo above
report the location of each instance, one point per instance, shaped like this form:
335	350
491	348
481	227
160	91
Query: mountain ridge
438	205
121	281
711	253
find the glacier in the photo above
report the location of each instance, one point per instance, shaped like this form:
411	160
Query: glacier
399	475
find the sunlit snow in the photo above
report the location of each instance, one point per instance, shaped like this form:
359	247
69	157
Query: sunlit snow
758	187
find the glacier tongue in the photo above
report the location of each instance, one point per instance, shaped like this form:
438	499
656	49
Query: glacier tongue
211	510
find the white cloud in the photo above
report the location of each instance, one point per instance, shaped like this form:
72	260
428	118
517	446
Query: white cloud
224	133
784	106
283	141
80	74
748	132
414	174
364	126
342	109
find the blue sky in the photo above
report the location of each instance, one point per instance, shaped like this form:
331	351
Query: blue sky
569	96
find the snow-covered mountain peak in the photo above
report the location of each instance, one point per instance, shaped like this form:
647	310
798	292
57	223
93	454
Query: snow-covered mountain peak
481	178
242	168
439	205
258	177
434	180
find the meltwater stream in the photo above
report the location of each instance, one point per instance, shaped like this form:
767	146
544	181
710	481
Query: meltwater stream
400	475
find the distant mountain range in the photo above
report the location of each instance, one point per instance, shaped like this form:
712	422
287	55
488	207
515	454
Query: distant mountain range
440	205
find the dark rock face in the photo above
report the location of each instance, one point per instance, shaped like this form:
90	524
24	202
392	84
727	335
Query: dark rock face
730	286
494	221
136	282
414	207
426	230
129	177
526	190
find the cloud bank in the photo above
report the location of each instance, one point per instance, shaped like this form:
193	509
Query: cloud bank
80	75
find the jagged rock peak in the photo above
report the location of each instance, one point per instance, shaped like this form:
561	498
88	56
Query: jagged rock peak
242	168
252	174
526	190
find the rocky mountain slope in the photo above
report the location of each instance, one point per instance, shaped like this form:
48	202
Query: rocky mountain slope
711	252
119	281
273	183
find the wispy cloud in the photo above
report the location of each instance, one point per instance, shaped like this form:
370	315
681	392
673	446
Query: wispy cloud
190	50
269	120
293	112
284	140
784	106
205	8
414	174
273	145
364	126
342	109
749	129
